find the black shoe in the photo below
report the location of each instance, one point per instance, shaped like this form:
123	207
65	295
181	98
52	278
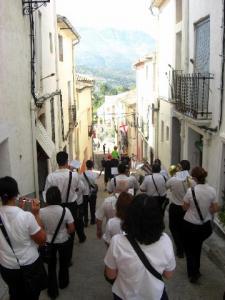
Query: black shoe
83	239
194	278
53	296
180	255
70	263
85	224
93	222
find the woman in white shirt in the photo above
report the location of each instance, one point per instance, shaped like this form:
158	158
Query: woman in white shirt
50	217
113	225
24	230
144	224
197	227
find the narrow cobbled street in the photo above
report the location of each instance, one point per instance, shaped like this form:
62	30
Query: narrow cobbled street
87	281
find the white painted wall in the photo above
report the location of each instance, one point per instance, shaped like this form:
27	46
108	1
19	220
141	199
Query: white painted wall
15	119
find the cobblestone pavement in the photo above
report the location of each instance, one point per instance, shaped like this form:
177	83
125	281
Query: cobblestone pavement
87	281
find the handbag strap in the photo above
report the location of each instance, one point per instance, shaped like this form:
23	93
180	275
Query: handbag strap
69	185
155	185
5	234
88	181
143	258
196	204
58	226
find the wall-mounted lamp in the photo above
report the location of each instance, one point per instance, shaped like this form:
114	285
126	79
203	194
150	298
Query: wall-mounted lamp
50	75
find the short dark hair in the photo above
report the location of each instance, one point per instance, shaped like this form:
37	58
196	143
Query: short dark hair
122	204
156	168
185	164
157	161
53	196
8	188
62	158
122	168
144	219
89	164
200	174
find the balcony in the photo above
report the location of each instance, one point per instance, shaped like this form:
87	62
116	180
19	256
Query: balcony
191	94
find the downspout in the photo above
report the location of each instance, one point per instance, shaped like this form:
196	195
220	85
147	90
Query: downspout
222	68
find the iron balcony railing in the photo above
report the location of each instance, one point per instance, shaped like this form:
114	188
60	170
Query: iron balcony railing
191	94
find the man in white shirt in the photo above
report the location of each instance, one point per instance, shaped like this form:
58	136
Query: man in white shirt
68	184
155	186
122	183
178	186
89	180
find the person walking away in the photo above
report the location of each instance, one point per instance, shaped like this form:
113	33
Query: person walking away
107	167
114	225
200	204
163	170
79	220
89	179
51	215
130	258
68	184
155	186
178	186
20	232
123	183
106	211
115	153
104	146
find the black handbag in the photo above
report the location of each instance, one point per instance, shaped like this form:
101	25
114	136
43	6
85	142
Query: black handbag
34	275
45	251
92	187
163	200
206	227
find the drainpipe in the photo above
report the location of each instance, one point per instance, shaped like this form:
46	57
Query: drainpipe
222	69
34	146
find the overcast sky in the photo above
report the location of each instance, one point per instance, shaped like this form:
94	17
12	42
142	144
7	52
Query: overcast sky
123	14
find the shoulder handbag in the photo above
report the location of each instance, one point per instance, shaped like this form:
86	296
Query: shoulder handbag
164	201
46	250
146	263
34	275
93	187
206	226
69	185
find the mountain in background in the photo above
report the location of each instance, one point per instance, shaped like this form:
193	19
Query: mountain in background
108	54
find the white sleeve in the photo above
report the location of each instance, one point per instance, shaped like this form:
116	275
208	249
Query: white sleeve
48	183
68	217
110	186
168	183
32	224
100	212
144	185
188	196
107	235
171	265
109	259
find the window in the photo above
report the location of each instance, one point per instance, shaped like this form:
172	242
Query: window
162	131
167	133
178	11
202	46
60	38
50	42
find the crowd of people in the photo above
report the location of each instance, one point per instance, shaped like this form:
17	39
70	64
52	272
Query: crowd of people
139	254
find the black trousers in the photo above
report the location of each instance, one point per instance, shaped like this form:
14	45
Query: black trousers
92	203
194	238
176	216
62	281
77	213
18	290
